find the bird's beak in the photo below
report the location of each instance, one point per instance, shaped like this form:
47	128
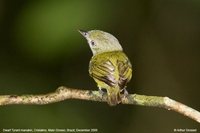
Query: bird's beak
84	33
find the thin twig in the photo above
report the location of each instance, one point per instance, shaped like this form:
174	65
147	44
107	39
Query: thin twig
63	93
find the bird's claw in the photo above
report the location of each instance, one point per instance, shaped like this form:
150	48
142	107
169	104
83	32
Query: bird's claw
102	93
125	92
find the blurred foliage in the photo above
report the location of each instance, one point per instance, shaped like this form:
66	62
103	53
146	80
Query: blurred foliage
41	50
48	29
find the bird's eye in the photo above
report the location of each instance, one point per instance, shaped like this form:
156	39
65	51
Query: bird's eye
93	43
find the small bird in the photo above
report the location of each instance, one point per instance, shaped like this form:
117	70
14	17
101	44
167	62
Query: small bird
109	65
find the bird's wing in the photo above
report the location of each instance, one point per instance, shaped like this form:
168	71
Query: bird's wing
125	71
112	69
103	70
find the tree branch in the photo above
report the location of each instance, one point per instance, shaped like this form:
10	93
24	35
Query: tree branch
63	93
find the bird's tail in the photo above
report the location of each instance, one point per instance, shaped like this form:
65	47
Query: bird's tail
114	96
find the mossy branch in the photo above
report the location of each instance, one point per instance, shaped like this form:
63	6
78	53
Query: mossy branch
63	93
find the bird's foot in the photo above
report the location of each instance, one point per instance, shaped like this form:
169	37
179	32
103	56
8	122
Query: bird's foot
125	92
102	93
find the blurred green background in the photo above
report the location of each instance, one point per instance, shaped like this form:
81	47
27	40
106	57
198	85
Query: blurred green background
40	49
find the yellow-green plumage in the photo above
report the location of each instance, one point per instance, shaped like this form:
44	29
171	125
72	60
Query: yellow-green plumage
109	66
111	71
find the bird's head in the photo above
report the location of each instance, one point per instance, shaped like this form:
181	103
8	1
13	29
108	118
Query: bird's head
100	41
